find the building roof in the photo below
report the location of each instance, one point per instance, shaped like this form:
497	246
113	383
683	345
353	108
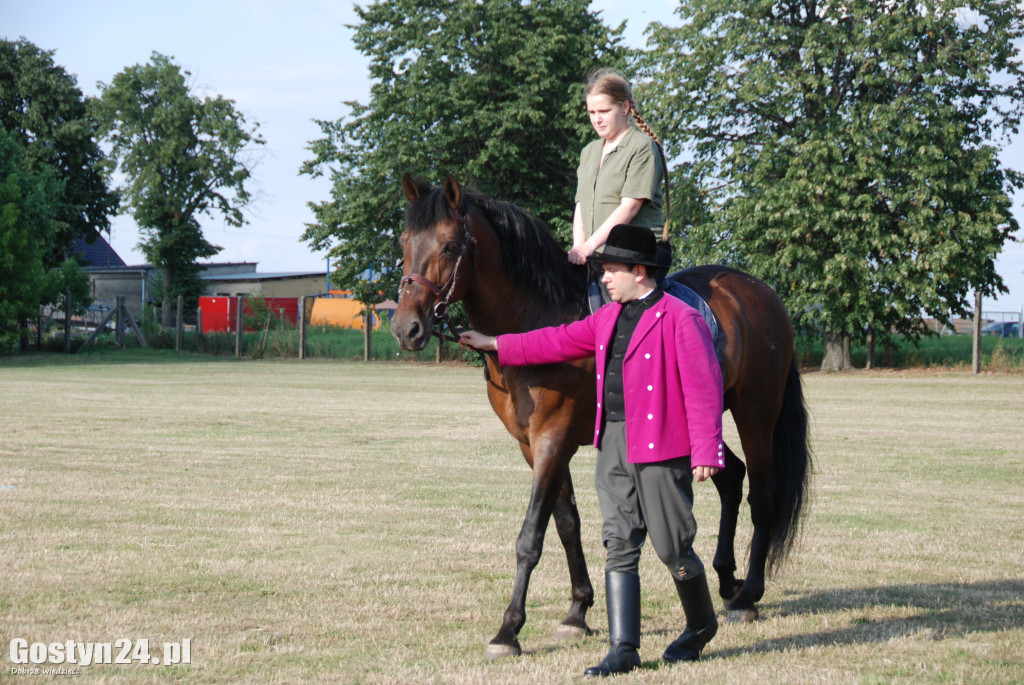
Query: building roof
99	255
253	276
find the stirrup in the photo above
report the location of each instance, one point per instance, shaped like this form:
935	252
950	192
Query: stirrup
595	296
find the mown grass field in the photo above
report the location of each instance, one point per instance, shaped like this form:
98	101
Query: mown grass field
349	522
948	353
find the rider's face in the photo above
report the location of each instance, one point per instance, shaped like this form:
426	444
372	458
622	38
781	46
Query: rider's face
608	118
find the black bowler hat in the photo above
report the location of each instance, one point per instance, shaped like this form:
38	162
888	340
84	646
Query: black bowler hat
629	245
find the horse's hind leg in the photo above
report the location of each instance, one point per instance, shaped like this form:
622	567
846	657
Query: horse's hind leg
729	483
757	449
567	521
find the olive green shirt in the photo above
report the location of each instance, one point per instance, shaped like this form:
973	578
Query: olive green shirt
633	169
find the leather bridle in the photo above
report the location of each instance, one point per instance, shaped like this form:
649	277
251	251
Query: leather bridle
445	292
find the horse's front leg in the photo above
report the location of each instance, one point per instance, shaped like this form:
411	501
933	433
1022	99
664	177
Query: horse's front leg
567	521
547	484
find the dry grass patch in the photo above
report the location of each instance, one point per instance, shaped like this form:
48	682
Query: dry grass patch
343	522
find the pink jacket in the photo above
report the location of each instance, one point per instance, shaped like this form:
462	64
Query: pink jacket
671	377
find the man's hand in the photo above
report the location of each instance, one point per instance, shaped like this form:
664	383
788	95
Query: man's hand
487	343
704	472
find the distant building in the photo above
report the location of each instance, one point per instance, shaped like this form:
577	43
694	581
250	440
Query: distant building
290	284
959	327
111	277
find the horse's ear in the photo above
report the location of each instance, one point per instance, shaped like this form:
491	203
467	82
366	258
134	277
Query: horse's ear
453	193
414	190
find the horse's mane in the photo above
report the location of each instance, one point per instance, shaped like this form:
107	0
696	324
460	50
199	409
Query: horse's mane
534	260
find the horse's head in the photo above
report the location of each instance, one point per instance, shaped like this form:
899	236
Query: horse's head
436	247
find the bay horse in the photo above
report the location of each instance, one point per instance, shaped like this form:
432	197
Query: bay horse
511	276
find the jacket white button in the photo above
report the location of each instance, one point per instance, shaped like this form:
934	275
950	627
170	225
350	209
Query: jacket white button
651	446
651	417
650	387
658	315
647	356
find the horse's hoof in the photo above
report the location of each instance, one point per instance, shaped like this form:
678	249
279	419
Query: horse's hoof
495	652
741	615
566	633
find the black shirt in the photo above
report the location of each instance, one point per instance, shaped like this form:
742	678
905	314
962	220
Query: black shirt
625	325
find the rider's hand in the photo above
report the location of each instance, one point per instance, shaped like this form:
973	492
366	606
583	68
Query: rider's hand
578	255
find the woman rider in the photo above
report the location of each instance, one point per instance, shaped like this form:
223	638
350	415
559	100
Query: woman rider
620	175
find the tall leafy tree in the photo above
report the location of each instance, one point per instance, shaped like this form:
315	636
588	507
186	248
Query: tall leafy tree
487	90
43	108
849	149
27	225
183	157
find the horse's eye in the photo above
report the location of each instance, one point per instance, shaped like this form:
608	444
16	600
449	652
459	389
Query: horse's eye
450	249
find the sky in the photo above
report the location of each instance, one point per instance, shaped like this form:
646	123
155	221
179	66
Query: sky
286	64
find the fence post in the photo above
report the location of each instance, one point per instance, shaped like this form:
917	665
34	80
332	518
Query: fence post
976	347
179	323
238	327
302	328
67	322
367	333
119	328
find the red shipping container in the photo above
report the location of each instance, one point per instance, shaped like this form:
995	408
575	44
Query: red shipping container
220	314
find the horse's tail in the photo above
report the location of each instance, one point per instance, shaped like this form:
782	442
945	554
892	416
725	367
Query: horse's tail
791	468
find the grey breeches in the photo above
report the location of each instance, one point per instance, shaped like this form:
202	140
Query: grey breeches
645	500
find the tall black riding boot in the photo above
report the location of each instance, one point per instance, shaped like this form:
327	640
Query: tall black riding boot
701	622
622	592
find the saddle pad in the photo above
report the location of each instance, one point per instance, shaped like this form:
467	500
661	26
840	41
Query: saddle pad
687	295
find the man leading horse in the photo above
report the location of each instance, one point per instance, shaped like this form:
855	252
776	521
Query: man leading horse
658	427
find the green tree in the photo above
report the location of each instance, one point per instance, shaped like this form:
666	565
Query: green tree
27	225
487	90
42	107
849	150
183	157
68	277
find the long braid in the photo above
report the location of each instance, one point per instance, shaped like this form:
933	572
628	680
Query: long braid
645	127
